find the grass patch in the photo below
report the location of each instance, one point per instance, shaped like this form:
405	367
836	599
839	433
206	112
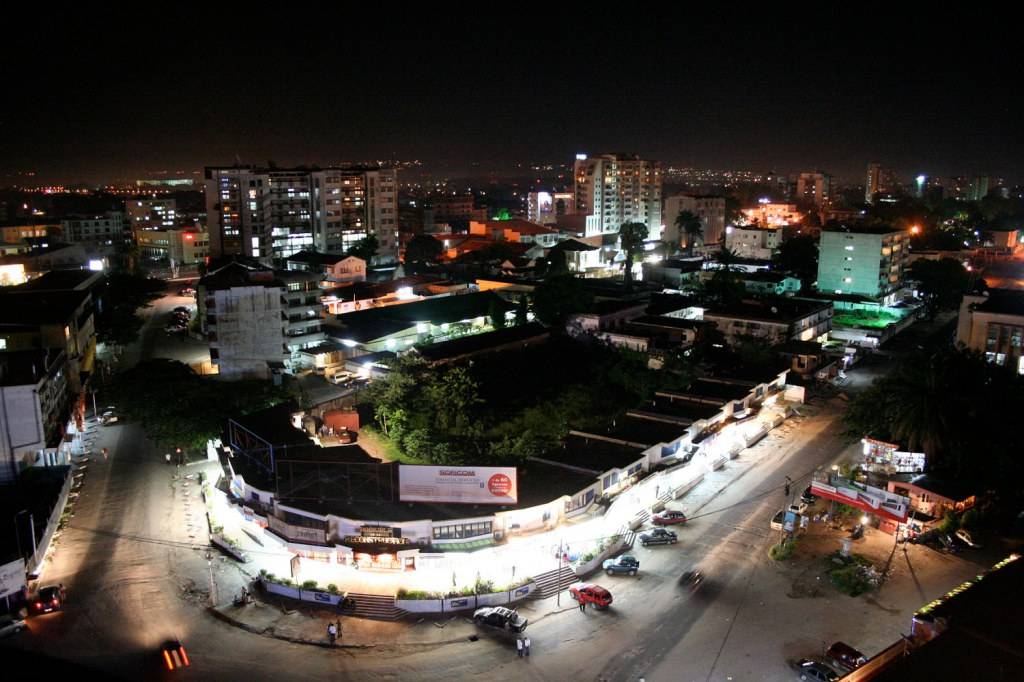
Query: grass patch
853	575
782	550
387	447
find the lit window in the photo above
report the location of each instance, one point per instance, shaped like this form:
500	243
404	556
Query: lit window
848	248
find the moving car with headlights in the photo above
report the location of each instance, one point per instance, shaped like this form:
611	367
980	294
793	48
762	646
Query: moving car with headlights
589	593
47	600
621	564
658	536
500	617
669	517
174	655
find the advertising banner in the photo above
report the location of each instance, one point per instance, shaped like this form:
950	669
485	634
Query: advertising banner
864	497
466	485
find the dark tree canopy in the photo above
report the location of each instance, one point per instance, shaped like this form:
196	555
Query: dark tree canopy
423	248
632	236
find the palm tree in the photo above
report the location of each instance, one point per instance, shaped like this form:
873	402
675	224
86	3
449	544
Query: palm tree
690	225
631	236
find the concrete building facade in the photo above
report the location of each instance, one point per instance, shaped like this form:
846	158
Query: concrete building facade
708	207
814	188
151	213
993	323
185	248
863	260
613	189
106	229
753	242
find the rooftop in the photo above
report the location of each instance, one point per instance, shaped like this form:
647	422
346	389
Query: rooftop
374	323
669	322
951	489
642	431
1002	301
39	307
592	455
519	225
863	228
799	348
709	389
477	343
779	310
679	411
573	245
317	258
62	280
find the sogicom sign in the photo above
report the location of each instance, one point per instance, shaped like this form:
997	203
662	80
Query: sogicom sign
468	485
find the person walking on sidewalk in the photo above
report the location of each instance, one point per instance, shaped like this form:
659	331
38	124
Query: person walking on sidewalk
583	606
338	626
526	646
167	457
332	633
519	646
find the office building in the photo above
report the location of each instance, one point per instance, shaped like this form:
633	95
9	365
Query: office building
880	180
767	214
271	213
814	189
180	246
151	214
613	189
993	323
102	230
863	260
708	207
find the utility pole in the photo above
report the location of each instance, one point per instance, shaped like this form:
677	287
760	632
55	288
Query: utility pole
558	594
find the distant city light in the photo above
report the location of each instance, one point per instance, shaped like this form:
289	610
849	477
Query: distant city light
581	157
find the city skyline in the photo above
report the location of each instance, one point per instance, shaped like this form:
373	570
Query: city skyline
761	99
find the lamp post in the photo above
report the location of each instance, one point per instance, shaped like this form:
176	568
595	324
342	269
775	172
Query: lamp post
32	530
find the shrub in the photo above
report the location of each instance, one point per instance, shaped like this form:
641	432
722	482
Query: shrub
332	588
782	550
949	522
854	576
417	594
263	573
310	585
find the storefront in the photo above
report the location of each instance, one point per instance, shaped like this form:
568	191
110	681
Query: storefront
380	548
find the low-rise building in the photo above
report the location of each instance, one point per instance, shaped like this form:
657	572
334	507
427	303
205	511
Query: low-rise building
770	283
767	214
180	246
106	229
753	242
516	231
776	320
334	269
993	323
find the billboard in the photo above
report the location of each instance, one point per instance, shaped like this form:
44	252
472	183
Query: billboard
467	485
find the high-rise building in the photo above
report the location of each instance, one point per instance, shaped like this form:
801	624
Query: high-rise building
814	188
862	260
880	180
151	214
708	207
613	189
271	213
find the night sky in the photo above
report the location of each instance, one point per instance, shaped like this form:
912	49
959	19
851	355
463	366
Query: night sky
104	97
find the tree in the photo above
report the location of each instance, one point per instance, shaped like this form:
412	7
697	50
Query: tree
942	282
423	248
365	248
690	225
496	313
631	236
558	297
725	288
119	299
799	256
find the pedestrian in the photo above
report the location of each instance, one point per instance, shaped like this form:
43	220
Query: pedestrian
167	457
526	646
63	593
519	646
339	628
332	633
583	606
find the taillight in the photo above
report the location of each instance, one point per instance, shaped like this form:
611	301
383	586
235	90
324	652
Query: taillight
167	659
39	604
55	602
184	656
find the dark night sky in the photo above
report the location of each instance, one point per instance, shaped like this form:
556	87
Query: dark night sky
104	97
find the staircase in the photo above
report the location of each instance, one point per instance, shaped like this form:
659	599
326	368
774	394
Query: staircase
642	516
548	583
375	606
628	537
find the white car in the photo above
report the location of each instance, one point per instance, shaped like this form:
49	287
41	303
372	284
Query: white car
965	536
11	626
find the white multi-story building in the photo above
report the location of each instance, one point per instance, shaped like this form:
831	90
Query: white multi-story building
258	319
753	242
863	260
103	229
613	189
709	208
272	213
151	214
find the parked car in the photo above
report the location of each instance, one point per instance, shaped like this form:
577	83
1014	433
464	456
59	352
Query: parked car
621	564
589	593
808	497
814	670
966	537
846	656
949	544
174	655
341	377
778	520
47	600
9	625
658	536
500	617
669	517
109	419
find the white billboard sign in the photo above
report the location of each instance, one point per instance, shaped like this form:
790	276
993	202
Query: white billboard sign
466	485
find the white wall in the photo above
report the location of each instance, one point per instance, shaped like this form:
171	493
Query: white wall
21	427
